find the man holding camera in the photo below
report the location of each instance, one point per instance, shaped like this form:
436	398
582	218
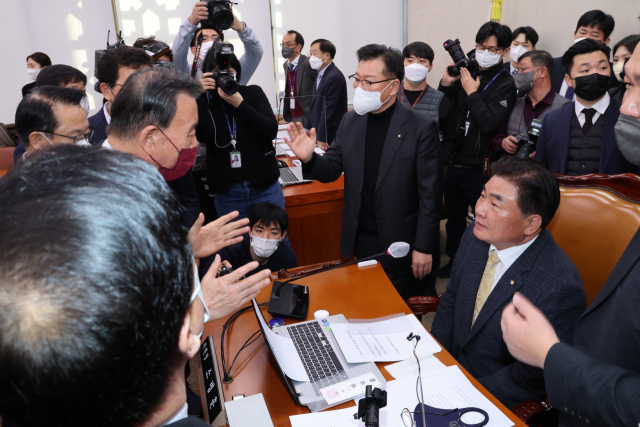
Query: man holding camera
187	38
535	68
578	139
482	99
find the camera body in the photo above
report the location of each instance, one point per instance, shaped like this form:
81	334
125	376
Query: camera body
459	58
527	142
369	406
224	270
119	42
220	15
226	81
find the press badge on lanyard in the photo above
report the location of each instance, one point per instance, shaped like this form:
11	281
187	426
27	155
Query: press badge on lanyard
292	100
235	156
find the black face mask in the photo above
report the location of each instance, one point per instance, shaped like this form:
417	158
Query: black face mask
591	87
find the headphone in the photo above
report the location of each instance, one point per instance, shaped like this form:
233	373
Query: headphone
411	337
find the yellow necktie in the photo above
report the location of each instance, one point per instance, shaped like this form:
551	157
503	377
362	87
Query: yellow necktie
485	285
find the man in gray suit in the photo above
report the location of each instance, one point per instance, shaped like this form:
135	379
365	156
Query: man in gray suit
299	79
508	249
389	156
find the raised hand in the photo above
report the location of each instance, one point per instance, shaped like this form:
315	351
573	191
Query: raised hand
302	144
199	13
216	235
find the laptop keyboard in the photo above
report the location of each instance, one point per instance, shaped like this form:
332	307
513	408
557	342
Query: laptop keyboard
287	176
317	355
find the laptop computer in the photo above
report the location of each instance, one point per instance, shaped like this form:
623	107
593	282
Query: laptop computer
321	357
292	176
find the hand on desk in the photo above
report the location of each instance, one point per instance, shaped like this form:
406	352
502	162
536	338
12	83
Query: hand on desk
527	332
421	264
216	235
302	144
226	294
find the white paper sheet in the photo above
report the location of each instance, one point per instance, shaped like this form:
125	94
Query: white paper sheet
384	341
406	372
284	351
290	153
319	150
336	418
285	146
349	389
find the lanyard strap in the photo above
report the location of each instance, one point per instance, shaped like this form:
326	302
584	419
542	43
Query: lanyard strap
295	75
235	130
416	101
495	77
194	66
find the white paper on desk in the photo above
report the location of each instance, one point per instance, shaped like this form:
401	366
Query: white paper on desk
383	341
284	351
290	153
319	150
285	146
336	418
406	372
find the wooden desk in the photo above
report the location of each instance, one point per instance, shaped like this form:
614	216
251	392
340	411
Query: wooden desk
358	293
315	219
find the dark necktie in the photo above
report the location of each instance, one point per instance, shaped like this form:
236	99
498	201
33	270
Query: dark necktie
588	119
569	94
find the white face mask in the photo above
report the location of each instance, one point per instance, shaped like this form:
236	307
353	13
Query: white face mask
197	292
487	59
45	138
264	248
83	143
33	73
204	49
517	52
416	73
84	103
579	39
365	101
315	62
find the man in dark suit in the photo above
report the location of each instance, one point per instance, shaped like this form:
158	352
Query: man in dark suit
595	25
299	81
329	102
389	155
508	249
578	139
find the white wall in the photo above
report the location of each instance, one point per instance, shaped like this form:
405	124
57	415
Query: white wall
69	31
435	21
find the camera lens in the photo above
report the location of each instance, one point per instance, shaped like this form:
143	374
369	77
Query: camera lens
227	84
222	17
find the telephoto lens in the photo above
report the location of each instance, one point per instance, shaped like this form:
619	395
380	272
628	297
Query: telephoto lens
220	15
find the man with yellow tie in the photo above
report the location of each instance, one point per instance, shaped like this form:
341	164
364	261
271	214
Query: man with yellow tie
508	249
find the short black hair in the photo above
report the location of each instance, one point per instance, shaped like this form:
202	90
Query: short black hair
148	41
267	214
299	39
537	188
582	47
502	32
630	42
540	58
210	63
60	75
95	278
149	97
597	19
112	60
391	57
206	27
36	112
326	47
419	50
529	34
41	58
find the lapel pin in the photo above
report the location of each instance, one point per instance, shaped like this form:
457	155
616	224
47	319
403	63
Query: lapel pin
399	136
513	283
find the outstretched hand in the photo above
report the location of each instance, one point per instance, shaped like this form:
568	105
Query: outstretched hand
216	235
302	144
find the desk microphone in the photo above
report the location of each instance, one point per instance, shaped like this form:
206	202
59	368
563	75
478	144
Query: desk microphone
289	300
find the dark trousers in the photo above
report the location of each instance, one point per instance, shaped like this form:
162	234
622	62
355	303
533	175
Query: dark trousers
206	200
462	188
398	271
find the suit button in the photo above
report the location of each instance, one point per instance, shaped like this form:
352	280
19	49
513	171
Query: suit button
583	166
587	420
566	409
465	352
573	414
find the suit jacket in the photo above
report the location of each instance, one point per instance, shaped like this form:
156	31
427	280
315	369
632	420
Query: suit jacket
559	71
330	104
407	205
98	122
544	274
553	143
507	67
599	378
305	81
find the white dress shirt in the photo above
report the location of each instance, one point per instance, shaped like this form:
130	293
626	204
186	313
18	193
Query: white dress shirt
507	258
181	414
513	70
320	74
106	145
105	109
600	107
294	62
563	89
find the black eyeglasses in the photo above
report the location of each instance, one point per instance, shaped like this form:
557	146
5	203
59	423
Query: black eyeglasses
366	84
76	139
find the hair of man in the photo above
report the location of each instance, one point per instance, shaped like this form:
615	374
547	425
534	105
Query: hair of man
598	20
530	35
142	42
539	58
419	50
206	27
112	60
391	57
298	38
502	32
269	214
583	47
60	75
326	47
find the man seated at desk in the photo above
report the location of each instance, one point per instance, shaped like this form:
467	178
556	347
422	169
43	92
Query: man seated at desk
269	224
100	308
506	250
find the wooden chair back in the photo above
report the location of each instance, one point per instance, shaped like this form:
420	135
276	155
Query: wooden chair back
6	159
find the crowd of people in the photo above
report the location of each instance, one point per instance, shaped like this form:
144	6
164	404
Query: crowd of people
104	257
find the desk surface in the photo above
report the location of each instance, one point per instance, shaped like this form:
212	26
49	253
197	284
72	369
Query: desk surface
358	293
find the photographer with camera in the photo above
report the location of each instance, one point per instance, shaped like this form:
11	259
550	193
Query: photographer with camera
483	95
211	30
535	68
237	124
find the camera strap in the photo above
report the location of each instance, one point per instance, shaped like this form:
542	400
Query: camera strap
194	66
235	129
417	100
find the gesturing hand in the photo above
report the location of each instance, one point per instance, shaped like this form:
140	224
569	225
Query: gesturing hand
302	144
216	235
226	294
199	13
469	84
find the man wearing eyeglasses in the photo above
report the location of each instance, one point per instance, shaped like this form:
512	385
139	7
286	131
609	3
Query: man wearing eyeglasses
481	102
389	154
299	79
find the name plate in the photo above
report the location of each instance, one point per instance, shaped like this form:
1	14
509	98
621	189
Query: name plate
211	390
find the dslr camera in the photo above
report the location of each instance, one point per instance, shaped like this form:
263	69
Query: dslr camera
527	142
459	58
222	53
220	15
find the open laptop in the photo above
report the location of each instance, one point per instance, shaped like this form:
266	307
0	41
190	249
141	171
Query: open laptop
322	358
292	176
